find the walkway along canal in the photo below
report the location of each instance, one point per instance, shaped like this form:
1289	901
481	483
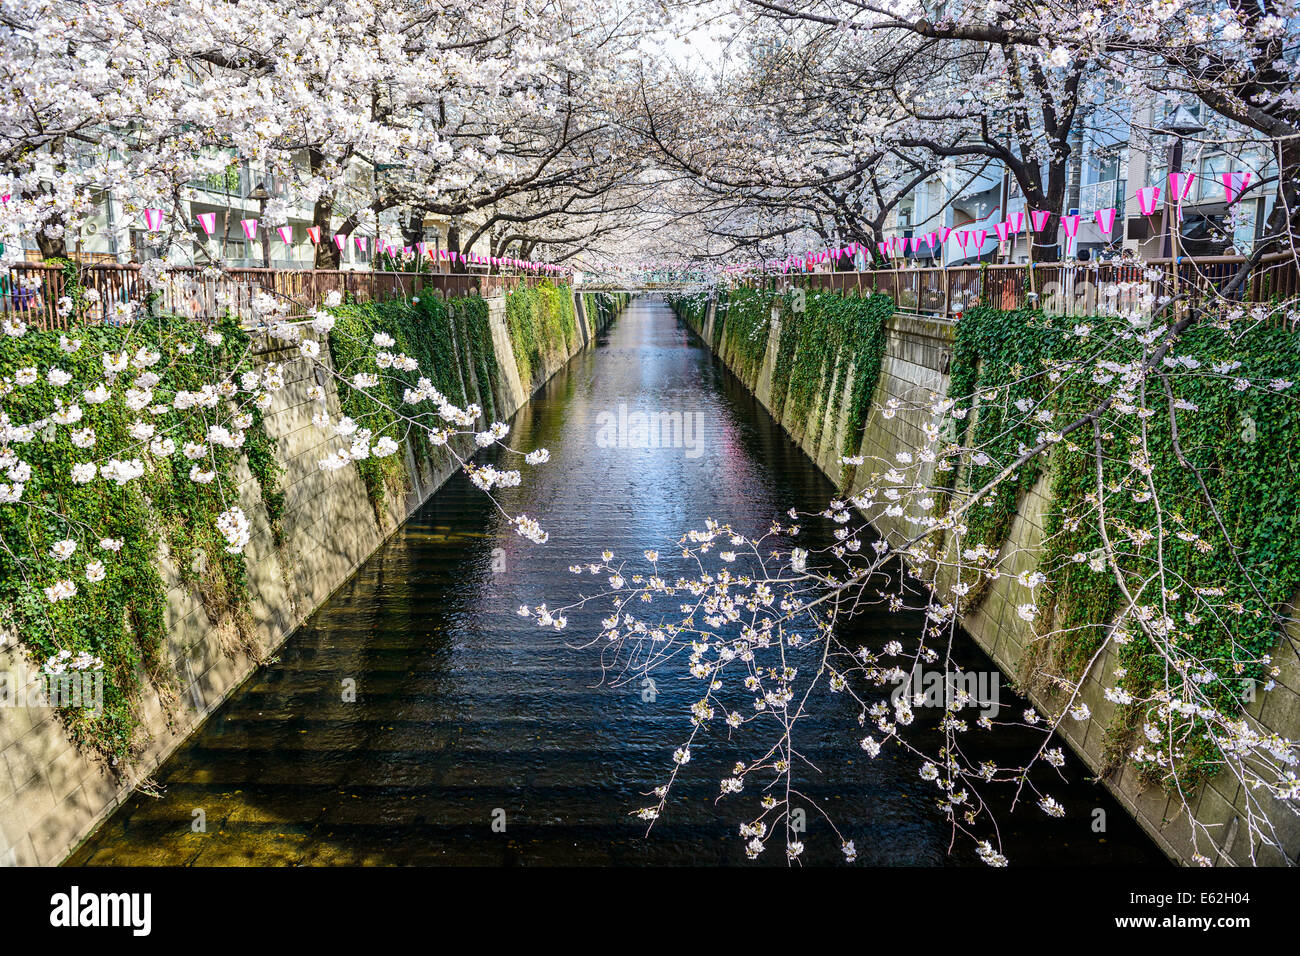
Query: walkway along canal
474	737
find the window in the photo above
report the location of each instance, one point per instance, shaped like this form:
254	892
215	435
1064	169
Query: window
1210	187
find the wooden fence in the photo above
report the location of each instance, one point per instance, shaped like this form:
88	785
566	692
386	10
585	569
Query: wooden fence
32	290
1059	288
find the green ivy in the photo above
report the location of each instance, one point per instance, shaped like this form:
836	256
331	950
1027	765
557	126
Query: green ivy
424	329
452	342
995	353
744	321
602	307
121	619
542	327
783	366
832	336
1253	485
473	311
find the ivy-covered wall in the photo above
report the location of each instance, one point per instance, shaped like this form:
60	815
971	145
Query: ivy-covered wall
825	356
601	308
1239	443
452	342
542	326
178	621
119	618
1242	443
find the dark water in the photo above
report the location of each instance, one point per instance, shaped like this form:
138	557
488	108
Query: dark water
465	712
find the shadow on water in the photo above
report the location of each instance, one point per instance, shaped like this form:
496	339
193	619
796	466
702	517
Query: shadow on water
465	714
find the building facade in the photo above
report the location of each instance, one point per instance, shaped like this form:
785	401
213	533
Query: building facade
1112	158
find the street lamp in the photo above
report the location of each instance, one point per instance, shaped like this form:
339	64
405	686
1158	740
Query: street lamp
1181	124
261	195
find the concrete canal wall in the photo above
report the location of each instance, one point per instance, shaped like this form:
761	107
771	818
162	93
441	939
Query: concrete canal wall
915	364
52	794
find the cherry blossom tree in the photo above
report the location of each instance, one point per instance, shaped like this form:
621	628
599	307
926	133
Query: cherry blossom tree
1032	62
360	107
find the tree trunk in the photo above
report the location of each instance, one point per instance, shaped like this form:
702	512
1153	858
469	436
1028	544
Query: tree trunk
328	255
453	247
1046	246
413	228
266	234
53	247
1284	221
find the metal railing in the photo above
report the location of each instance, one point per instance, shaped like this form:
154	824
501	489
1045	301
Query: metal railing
32	290
1059	288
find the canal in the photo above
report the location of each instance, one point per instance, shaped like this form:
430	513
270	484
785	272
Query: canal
476	738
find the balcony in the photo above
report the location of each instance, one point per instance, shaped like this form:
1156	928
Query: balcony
1100	195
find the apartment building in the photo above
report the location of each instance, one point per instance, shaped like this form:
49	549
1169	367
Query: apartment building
1113	156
